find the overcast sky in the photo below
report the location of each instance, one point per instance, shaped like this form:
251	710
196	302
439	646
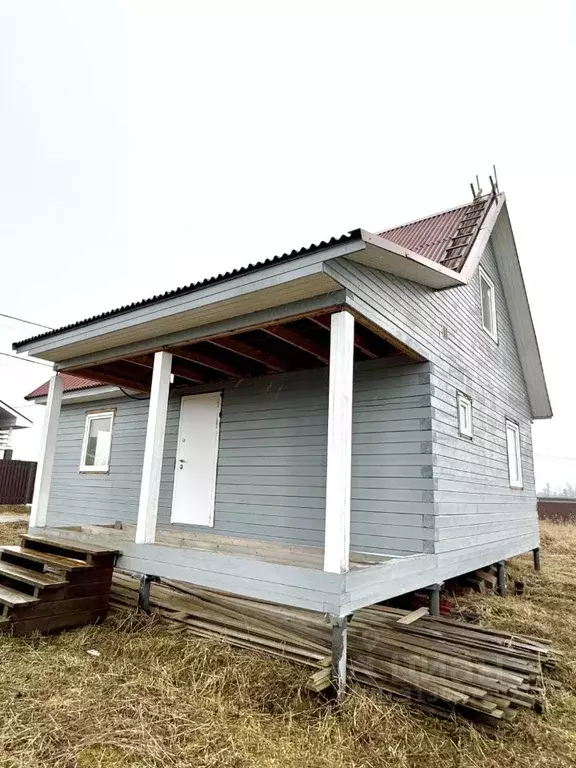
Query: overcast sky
145	145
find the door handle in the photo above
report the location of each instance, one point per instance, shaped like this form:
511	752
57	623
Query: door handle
182	462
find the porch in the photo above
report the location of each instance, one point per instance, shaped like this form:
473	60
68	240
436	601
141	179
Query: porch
283	574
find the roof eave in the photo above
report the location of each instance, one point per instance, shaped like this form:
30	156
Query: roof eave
20	421
101	392
387	256
520	315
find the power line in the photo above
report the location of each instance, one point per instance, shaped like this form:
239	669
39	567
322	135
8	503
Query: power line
26	359
28	322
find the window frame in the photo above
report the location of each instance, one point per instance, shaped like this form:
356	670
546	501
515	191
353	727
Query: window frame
490	283
90	417
515	482
461	397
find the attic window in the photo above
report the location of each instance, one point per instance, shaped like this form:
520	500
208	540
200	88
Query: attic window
464	415
488	303
97	442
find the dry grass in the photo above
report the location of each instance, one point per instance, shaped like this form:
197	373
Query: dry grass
14	509
153	698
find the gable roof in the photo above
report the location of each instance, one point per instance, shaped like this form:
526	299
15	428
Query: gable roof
440	251
70	383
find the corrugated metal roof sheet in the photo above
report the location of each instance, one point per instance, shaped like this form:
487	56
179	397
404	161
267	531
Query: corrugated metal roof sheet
352	235
429	237
432	235
69	383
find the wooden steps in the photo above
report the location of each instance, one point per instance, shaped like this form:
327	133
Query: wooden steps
48	584
33	578
11	598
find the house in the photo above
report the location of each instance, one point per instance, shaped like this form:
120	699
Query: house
10	419
325	429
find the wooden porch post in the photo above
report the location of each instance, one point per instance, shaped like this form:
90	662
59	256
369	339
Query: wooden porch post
339	466
39	512
154	448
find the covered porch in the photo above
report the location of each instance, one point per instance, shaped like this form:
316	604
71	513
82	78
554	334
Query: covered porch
332	578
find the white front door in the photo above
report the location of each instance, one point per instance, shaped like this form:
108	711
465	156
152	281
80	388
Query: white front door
196	459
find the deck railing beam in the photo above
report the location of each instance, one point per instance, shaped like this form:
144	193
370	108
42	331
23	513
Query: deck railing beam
154	449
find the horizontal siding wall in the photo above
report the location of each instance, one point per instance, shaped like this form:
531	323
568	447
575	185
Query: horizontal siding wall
77	499
474	505
272	460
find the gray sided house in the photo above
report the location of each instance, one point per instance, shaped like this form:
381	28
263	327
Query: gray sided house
326	429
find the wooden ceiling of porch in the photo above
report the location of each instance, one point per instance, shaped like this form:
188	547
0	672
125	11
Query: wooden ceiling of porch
293	345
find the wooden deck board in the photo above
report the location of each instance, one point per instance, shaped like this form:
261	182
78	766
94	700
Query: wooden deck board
256	549
52	561
12	597
34	578
93	549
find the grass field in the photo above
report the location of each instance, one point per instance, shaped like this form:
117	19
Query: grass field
153	698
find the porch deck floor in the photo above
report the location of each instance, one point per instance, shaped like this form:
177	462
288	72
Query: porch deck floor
256	549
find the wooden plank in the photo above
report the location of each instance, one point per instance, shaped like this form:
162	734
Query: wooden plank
52	623
12	597
233	344
76	546
111	378
45	558
43	608
299	341
361	340
183	371
26	576
413	616
208	361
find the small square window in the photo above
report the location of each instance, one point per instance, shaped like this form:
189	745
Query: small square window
97	442
514	458
464	415
488	304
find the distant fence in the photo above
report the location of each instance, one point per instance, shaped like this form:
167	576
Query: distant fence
557	509
16	481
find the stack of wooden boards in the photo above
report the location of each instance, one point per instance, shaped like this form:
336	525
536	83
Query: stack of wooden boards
441	662
48	584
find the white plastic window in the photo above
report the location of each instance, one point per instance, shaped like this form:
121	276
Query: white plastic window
488	303
514	458
464	415
97	442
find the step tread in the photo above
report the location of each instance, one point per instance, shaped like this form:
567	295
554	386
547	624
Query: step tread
34	578
12	597
47	558
71	544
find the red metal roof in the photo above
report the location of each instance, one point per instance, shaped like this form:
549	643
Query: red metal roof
70	383
432	235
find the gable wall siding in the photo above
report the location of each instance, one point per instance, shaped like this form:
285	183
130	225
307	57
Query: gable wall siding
272	460
474	504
